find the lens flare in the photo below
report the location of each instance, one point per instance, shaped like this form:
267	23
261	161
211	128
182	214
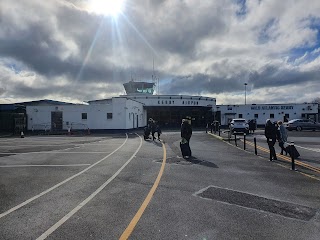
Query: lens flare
106	7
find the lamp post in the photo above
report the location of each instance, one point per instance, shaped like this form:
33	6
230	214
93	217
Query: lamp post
245	93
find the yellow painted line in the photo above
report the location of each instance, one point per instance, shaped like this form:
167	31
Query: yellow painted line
310	176
288	159
136	218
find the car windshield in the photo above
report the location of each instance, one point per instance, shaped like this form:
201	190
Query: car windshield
294	120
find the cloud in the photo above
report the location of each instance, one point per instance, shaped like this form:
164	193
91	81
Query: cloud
57	49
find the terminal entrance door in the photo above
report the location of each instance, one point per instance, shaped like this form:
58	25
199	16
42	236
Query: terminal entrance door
56	121
171	117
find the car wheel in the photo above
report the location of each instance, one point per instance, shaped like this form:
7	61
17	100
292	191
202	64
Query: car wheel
299	128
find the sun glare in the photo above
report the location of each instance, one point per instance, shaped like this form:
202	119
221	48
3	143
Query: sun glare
106	7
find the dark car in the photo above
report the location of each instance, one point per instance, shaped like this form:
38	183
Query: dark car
302	124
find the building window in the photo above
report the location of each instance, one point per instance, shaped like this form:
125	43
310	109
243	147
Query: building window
84	116
256	115
240	115
229	108
271	115
303	115
109	115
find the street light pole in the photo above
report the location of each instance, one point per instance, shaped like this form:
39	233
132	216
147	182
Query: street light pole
245	93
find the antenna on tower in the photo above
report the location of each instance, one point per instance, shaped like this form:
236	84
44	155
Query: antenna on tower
155	79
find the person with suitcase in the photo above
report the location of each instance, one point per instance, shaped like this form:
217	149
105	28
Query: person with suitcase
186	132
270	133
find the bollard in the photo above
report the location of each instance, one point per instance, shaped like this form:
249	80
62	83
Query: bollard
207	128
235	139
219	131
244	141
255	146
229	136
293	166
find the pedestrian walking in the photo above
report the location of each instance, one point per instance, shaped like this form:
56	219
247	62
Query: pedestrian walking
270	133
282	137
158	130
186	133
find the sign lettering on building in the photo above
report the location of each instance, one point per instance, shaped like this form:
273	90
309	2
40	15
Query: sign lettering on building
272	107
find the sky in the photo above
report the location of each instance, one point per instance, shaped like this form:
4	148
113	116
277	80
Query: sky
78	50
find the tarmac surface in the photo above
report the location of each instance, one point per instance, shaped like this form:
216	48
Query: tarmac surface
118	186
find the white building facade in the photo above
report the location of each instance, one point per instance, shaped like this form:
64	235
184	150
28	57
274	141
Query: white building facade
114	113
124	112
262	112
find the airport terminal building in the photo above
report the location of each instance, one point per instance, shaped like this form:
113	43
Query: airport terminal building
124	112
133	110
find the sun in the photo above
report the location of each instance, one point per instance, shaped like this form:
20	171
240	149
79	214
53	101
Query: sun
106	7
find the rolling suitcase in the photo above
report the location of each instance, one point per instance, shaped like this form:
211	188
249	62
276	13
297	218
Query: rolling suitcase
291	149
185	149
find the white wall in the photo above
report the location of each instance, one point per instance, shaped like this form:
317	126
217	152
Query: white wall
265	111
135	114
39	117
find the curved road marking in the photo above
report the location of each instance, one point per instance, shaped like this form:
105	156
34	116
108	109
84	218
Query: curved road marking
59	184
88	199
61	165
48	152
136	218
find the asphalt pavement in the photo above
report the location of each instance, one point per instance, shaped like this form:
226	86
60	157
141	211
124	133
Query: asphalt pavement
118	186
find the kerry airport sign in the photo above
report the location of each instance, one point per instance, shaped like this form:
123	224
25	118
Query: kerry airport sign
272	107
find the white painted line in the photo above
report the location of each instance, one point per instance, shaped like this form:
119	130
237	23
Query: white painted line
61	183
54	152
68	165
310	149
88	199
36	145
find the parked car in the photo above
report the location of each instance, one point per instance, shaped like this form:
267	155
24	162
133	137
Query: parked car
239	125
302	124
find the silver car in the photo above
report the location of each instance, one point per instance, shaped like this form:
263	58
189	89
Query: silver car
302	124
239	125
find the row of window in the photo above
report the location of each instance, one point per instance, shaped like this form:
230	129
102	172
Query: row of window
84	116
270	116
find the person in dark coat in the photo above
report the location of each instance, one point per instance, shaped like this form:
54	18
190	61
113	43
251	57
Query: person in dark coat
270	132
186	132
158	130
153	129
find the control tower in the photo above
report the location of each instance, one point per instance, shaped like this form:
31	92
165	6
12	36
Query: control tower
137	88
